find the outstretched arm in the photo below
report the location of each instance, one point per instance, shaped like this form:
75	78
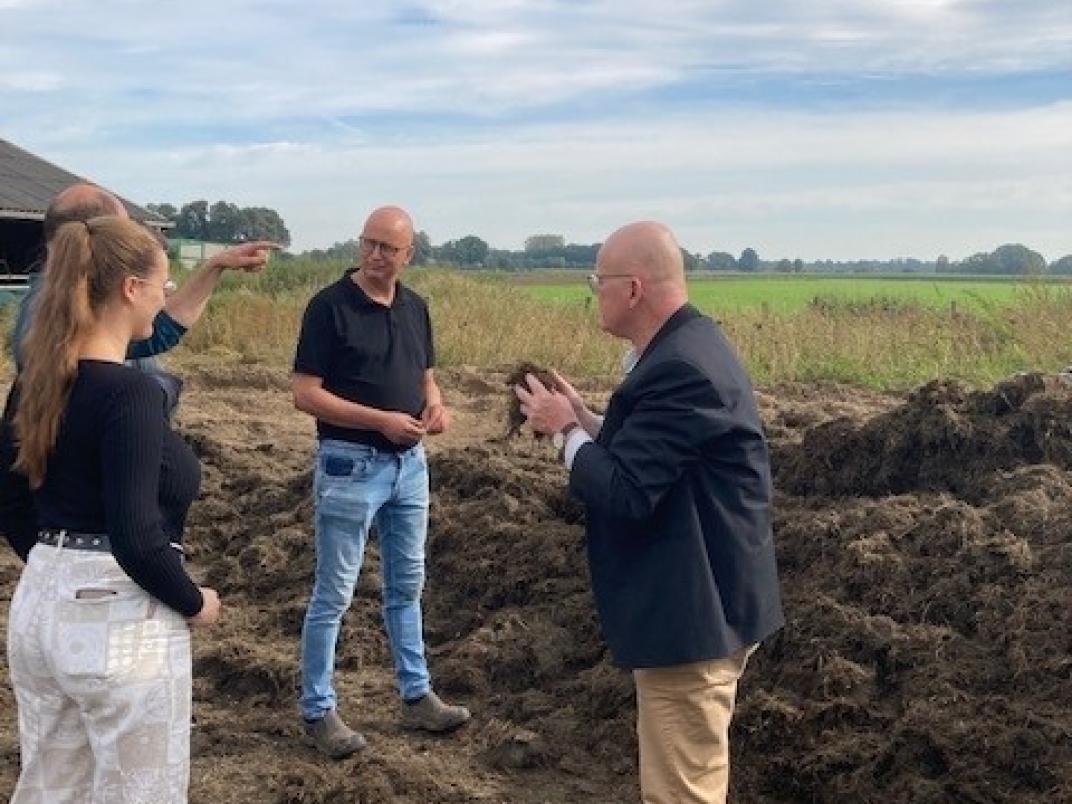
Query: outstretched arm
187	303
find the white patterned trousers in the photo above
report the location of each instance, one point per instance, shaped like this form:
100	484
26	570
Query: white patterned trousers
102	677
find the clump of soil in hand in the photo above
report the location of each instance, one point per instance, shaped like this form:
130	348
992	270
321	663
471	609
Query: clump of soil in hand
514	417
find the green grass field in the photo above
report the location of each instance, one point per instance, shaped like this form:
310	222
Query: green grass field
791	293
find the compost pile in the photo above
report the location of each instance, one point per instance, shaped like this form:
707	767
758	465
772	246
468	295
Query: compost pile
925	546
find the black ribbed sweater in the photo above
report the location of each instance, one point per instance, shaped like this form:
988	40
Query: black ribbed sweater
117	468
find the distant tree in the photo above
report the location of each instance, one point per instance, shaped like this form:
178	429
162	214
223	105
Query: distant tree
783	266
749	260
977	263
165	211
472	250
1015	258
262	223
540	243
505	259
192	221
468	251
798	265
691	261
346	250
721	261
1062	266
1011	259
579	255
422	248
225	222
941	265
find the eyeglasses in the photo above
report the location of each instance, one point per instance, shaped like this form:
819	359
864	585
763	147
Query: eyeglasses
595	281
368	246
167	286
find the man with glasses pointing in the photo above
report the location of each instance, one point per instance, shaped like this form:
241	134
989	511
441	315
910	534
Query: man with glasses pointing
184	306
363	369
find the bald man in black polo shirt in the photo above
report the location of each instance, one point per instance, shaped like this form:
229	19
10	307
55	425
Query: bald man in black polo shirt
364	370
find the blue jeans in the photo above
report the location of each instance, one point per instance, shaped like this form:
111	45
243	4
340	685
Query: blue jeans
355	485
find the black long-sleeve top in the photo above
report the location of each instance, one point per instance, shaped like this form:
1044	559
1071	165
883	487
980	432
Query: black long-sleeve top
117	468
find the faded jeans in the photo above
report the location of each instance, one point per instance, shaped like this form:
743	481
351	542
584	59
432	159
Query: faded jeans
101	672
355	486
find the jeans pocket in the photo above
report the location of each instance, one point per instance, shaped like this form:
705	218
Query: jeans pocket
338	466
345	465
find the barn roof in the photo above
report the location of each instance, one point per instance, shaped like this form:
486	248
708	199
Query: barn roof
28	183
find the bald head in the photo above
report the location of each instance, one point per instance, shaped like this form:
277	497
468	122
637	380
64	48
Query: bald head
645	249
80	202
393	221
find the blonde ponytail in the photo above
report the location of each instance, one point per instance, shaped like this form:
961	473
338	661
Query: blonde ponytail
86	264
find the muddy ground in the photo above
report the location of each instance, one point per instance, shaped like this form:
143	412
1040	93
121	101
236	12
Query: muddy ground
925	546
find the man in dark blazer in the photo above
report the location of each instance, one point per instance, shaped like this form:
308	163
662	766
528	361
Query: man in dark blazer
676	482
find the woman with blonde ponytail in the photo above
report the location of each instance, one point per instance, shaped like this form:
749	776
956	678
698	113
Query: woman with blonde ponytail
98	633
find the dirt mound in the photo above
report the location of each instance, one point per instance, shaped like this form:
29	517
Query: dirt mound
926	656
942	438
925	547
510	626
514	609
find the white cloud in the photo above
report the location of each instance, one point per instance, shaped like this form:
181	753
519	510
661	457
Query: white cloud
29	81
847	186
506	118
261	60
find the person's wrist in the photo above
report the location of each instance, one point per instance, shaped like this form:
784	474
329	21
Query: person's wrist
558	439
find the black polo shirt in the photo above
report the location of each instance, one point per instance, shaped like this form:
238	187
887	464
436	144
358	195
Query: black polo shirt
367	353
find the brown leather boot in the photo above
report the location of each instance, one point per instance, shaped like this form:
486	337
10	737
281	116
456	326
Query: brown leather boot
332	737
431	714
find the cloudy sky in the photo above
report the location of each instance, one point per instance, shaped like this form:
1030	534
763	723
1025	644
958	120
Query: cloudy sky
829	128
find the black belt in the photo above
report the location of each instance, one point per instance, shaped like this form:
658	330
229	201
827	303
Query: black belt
76	540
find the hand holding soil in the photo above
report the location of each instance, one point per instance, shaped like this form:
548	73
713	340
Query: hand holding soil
514	416
547	411
563	386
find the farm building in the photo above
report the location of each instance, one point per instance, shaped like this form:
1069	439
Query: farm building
189	252
27	184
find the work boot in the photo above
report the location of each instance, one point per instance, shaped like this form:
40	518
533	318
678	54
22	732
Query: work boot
332	737
431	714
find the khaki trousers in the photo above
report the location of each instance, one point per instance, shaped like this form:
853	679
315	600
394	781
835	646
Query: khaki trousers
683	725
101	673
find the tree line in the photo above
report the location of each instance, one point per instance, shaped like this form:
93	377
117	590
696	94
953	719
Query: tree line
551	251
225	222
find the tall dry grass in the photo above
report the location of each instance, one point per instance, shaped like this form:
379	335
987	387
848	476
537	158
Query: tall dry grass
894	346
486	322
489	322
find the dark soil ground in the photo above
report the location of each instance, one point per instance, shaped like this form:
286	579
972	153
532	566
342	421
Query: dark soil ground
925	546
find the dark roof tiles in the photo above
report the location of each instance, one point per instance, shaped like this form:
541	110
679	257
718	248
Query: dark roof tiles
28	183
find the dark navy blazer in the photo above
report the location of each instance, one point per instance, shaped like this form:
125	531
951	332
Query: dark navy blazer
678	493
